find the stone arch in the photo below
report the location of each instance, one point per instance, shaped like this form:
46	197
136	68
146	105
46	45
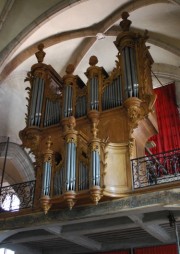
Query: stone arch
19	166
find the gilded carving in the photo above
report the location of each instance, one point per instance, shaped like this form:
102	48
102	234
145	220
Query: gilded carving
96	195
70	199
131	146
45	204
134	113
40	54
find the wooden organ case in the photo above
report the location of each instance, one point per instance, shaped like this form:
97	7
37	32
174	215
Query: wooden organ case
84	136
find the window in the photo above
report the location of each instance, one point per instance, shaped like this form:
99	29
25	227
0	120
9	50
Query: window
6	251
11	202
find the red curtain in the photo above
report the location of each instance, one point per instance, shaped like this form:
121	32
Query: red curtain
166	249
116	252
168	119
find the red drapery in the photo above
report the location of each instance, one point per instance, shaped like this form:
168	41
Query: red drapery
168	119
166	249
116	252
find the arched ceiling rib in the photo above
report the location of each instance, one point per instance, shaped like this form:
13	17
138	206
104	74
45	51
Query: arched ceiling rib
34	25
92	31
166	71
20	167
5	10
83	48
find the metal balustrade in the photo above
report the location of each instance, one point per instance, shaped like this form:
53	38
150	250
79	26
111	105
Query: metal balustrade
18	196
156	169
147	171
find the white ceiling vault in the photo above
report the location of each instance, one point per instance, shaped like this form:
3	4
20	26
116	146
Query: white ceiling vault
72	31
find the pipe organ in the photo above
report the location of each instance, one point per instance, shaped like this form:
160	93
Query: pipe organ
84	135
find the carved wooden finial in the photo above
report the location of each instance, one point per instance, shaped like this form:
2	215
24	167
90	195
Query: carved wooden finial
71	122
40	54
49	142
93	60
70	69
125	23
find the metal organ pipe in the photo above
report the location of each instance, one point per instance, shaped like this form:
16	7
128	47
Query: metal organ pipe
81	107
65	101
73	175
36	101
58	182
45	114
52	113
33	101
70	166
68	101
83	176
94	93
39	102
119	91
95	168
47	178
97	179
80	176
130	72
134	72
112	95
91	94
57	108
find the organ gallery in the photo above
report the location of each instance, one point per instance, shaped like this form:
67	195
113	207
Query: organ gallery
84	135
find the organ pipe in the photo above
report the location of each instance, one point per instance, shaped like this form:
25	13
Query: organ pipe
130	72
46	179
94	74
47	168
36	101
70	136
95	167
69	92
47	176
70	165
83	176
135	60
112	94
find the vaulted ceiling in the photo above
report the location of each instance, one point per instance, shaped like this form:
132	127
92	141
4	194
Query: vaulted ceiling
72	31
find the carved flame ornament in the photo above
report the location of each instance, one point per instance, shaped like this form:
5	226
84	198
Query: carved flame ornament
84	135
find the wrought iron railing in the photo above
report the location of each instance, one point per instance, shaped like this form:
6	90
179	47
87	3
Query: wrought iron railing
16	197
156	169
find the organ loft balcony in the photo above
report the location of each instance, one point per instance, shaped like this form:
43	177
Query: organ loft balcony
89	139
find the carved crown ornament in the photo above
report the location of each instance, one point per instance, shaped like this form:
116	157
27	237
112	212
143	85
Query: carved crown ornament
84	132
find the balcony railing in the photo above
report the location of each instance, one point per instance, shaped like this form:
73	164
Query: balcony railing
147	171
17	196
156	169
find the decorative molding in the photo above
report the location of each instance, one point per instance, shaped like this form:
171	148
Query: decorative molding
135	202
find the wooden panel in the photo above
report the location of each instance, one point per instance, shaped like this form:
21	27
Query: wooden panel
117	179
